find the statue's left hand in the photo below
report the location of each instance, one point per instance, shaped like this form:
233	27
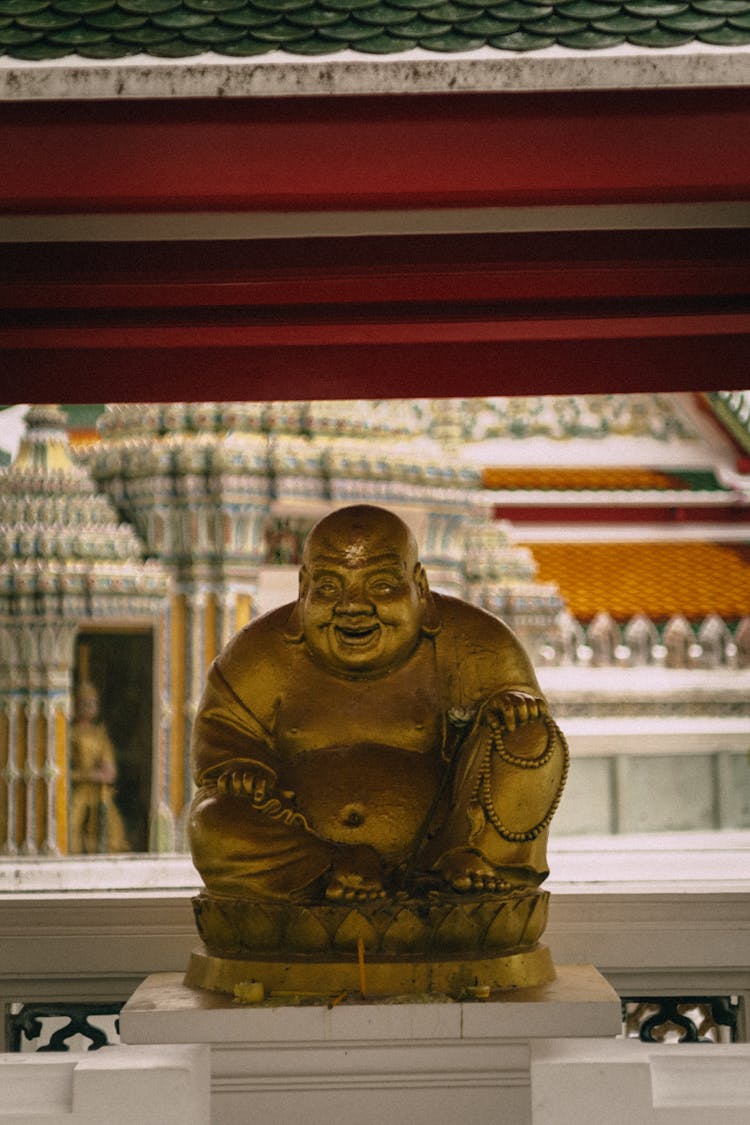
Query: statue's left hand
256	784
514	708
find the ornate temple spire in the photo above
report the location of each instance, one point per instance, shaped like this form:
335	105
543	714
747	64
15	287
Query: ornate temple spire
65	559
44	448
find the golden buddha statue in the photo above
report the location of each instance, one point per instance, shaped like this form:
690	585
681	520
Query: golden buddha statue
375	762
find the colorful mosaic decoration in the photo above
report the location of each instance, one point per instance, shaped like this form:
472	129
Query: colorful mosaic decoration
113	29
732	408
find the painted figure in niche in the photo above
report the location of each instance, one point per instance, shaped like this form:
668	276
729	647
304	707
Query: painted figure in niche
95	823
372	739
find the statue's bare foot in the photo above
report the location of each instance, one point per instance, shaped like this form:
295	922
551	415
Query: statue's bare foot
466	871
357	876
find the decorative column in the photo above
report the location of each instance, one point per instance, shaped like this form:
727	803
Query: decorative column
194	480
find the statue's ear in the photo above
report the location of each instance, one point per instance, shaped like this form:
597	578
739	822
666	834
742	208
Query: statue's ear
294	631
431	619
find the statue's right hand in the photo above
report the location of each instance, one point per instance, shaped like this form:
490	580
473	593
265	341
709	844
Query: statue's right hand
254	783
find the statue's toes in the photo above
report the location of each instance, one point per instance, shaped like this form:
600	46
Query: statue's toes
372	894
498	884
462	883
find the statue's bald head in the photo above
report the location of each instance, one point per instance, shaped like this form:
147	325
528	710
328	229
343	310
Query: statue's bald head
361	532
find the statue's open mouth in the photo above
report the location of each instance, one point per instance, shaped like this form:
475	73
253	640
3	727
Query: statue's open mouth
357	635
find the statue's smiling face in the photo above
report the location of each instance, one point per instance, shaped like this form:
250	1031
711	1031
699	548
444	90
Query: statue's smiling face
362	597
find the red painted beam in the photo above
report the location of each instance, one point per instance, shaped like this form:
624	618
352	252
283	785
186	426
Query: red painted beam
343	153
619	513
456	269
306	361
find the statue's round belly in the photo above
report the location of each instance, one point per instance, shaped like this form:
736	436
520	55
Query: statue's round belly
366	794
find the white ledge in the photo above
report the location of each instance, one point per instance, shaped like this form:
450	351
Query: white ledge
680	861
348	73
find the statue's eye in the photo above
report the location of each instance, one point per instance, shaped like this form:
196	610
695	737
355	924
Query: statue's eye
327	588
382	586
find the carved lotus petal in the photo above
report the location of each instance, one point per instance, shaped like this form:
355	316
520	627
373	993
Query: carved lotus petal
457	932
216	926
406	934
306	934
354	926
258	929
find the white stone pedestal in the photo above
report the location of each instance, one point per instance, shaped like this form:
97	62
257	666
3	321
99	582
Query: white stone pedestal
373	1063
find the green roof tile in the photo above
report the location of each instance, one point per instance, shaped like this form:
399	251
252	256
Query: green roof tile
107	49
623	24
720	7
216	6
384	15
726	36
351	31
175	49
588	40
487	25
282	31
585	10
352	5
659	37
46	21
654	9
82	7
521	41
554	25
281	7
14	36
22	7
692	21
315	44
110	29
450	13
246	47
250	17
148	7
312	18
215	33
35	52
452	41
418	27
517	10
180	18
145	36
386	44
115	20
78	35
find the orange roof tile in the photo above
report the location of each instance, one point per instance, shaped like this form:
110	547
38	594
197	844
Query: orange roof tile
597	479
659	579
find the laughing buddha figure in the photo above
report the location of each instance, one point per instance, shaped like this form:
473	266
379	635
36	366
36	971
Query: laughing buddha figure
373	738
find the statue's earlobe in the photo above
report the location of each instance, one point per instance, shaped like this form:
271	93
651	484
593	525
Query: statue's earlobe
294	631
431	619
